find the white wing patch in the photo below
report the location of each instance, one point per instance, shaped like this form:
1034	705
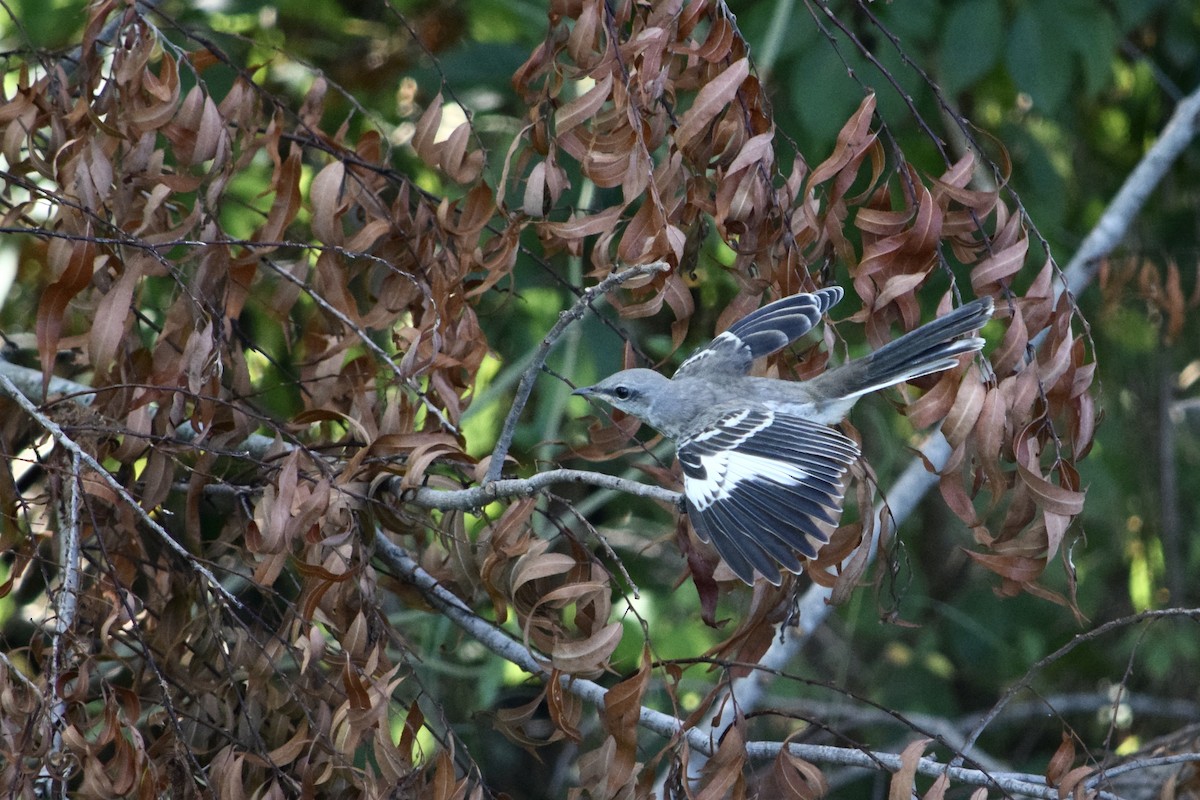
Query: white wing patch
764	488
725	469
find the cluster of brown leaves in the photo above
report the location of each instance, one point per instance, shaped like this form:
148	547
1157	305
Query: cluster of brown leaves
669	113
1162	293
147	263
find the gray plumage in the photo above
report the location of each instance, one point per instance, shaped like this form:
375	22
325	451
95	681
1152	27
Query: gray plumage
764	477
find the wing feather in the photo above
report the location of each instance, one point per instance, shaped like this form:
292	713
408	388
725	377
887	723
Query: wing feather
760	333
765	487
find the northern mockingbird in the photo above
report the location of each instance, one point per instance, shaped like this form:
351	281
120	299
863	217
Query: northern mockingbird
763	474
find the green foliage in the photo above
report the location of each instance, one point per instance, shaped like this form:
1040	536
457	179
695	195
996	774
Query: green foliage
971	43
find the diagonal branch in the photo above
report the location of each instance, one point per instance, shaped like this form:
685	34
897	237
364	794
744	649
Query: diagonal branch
565	319
69	444
670	727
1110	229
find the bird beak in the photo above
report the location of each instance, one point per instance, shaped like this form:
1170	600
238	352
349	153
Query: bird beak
584	391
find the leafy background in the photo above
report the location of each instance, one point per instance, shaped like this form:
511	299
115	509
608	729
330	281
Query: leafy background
335	676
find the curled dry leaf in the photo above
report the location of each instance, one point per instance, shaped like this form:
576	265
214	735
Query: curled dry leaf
587	656
796	778
722	775
1062	759
903	784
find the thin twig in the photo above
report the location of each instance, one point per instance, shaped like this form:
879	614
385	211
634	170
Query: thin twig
537	664
566	318
68	444
479	496
1023	682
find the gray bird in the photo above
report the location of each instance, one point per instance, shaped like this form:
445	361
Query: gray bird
763	474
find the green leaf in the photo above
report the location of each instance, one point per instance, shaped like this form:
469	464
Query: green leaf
1094	38
1039	65
910	21
1131	13
970	43
826	95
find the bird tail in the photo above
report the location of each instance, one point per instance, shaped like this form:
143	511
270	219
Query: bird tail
933	347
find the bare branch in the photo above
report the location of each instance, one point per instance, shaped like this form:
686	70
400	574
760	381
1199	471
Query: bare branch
565	319
68	444
29	383
504	646
479	496
66	602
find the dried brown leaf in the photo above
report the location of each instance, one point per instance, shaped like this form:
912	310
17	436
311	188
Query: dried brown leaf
587	655
936	403
722	774
963	416
566	708
72	262
325	194
583	108
112	319
1062	759
1071	783
853	140
1011	354
995	272
796	778
285	207
1052	498
1021	570
712	98
903	785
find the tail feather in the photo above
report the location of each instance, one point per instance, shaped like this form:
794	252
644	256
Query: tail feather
930	348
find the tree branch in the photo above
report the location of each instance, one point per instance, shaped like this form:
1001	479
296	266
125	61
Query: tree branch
66	602
479	496
68	444
670	727
1110	229
565	319
29	383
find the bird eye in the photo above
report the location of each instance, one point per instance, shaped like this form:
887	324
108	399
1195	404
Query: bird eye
622	393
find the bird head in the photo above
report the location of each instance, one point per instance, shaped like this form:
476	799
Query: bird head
632	391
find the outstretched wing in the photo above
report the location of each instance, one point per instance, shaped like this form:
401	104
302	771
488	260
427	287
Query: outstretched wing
765	488
770	328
